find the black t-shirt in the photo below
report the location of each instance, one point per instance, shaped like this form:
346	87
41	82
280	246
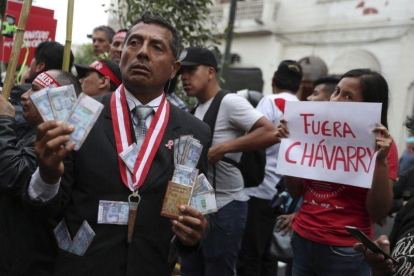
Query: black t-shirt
402	240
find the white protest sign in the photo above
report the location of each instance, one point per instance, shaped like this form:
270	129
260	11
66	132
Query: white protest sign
330	141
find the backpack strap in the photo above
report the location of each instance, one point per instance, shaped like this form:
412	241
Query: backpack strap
210	119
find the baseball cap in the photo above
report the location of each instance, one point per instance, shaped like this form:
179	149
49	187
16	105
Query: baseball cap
105	67
193	56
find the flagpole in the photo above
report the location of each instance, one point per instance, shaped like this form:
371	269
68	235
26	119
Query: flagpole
69	24
17	44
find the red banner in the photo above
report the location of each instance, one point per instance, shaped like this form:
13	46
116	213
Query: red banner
41	26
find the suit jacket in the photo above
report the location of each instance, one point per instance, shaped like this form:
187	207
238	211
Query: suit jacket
92	174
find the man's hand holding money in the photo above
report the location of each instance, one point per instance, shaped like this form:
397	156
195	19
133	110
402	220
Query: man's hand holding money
190	226
51	149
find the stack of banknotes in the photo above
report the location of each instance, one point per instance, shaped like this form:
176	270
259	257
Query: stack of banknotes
80	243
186	186
61	104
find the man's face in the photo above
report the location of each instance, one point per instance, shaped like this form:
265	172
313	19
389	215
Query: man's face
116	49
90	83
113	214
319	94
147	60
30	113
195	79
101	43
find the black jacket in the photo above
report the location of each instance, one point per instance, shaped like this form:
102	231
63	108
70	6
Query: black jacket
92	174
27	246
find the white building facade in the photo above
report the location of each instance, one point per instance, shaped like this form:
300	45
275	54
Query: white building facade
344	34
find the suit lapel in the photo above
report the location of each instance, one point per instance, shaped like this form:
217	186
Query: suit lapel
164	157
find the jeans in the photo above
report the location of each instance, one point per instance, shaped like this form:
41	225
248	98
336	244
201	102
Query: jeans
218	253
316	259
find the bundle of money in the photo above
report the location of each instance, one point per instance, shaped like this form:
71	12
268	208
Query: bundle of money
83	116
82	240
203	198
187	187
187	151
54	103
129	156
40	100
80	243
62	235
62	99
185	175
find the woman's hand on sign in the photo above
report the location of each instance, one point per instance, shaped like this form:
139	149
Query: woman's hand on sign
286	225
282	130
383	143
51	148
190	226
379	265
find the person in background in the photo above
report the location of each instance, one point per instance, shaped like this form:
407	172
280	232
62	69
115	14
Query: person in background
100	77
323	88
117	45
254	258
102	39
235	118
320	243
27	245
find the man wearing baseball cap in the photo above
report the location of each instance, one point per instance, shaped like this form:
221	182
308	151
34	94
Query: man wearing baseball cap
100	77
235	117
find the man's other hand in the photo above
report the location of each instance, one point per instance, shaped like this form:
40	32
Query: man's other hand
190	226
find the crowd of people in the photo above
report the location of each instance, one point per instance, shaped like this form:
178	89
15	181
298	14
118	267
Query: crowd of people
43	180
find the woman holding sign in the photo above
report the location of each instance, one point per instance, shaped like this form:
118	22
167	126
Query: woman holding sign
321	245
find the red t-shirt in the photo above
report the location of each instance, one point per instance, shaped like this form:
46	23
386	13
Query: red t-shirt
328	207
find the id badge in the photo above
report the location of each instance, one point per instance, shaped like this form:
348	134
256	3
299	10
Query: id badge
113	212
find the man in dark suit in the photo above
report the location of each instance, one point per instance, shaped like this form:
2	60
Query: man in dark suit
73	186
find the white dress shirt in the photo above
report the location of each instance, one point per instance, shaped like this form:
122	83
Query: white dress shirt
41	191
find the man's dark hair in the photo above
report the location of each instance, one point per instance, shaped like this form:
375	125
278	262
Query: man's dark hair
158	20
374	89
51	54
330	84
108	30
288	76
66	78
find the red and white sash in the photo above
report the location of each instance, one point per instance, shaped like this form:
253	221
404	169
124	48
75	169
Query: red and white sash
122	128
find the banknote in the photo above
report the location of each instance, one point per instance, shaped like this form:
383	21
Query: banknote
113	212
185	175
175	196
205	202
62	99
129	156
202	185
181	147
83	116
41	100
82	240
192	153
176	144
62	235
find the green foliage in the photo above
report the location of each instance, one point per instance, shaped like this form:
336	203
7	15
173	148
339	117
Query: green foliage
84	54
190	17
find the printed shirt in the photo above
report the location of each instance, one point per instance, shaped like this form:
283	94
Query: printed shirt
273	107
328	207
